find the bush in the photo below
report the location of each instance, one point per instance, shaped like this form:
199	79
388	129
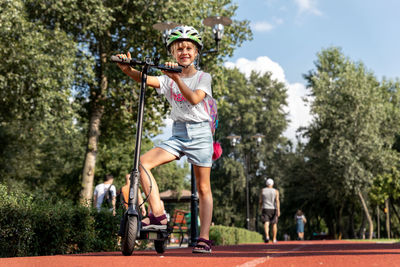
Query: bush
29	228
62	228
16	235
106	229
224	235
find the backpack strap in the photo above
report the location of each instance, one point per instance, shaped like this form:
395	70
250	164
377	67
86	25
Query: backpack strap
108	190
204	99
209	104
200	76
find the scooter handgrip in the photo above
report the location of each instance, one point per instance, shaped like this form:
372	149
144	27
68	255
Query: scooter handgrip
176	69
120	59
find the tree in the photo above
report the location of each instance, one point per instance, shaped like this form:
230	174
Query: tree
352	126
251	106
39	139
103	28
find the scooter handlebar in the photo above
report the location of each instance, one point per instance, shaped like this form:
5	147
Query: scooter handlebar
131	61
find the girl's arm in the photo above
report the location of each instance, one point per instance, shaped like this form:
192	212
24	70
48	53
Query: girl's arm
194	97
137	75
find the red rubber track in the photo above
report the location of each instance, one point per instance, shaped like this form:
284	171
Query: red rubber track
291	253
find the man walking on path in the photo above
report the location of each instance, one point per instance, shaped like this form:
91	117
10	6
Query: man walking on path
269	203
103	191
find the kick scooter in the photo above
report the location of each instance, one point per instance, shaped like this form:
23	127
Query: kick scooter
131	227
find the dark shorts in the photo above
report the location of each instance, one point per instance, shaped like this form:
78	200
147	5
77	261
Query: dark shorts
268	215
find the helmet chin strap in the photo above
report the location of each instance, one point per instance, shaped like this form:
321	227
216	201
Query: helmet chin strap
185	66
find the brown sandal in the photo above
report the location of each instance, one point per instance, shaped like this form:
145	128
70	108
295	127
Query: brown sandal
155	223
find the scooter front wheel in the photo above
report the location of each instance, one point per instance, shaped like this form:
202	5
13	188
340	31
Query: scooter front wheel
128	241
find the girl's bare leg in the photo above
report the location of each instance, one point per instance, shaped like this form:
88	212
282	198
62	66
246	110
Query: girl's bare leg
202	175
153	158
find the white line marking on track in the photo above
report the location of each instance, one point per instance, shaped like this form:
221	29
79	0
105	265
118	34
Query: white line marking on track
254	262
258	261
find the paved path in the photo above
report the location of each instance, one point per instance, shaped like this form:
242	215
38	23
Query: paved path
291	253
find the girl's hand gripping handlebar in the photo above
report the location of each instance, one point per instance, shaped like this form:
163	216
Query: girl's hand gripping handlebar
131	62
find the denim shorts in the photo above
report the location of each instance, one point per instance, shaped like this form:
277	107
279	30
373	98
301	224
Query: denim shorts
193	139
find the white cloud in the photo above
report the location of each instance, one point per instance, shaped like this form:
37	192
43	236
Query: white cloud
262	26
308	6
261	65
278	21
299	114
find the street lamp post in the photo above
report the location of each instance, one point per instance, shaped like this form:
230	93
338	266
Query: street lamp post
194	211
218	24
234	139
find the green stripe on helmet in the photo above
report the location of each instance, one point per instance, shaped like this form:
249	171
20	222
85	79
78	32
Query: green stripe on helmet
185	33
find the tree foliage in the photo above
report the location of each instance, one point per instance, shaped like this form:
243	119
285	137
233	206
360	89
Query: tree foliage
40	143
103	28
57	85
385	186
351	136
253	105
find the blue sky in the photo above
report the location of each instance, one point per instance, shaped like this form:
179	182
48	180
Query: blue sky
289	33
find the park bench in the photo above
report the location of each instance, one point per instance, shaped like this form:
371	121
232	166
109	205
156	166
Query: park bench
179	224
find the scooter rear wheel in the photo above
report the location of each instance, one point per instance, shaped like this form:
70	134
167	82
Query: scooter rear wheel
159	245
128	241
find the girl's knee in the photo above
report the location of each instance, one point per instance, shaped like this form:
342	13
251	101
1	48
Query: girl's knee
204	190
144	163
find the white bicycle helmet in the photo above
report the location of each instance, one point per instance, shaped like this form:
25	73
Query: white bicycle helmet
185	33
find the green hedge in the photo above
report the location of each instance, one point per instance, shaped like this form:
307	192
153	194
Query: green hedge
29	228
224	235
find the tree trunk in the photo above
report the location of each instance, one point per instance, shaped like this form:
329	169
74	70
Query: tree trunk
387	213
361	231
352	230
367	215
331	226
340	224
394	208
378	228
90	158
97	110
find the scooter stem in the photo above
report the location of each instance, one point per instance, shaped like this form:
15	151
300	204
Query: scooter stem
135	174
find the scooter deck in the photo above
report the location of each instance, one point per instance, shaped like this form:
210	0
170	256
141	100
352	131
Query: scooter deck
151	234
